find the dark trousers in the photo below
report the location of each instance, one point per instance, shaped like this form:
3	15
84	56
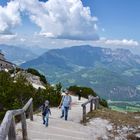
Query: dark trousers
79	97
43	117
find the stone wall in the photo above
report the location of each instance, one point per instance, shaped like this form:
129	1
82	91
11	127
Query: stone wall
5	65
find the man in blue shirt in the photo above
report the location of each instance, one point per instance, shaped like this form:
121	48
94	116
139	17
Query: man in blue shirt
65	104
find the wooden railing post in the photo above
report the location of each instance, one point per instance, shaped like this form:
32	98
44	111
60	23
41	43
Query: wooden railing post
96	102
91	105
90	101
7	127
12	130
24	126
31	112
84	113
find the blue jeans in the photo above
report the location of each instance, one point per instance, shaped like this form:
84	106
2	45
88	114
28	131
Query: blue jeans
47	119
65	112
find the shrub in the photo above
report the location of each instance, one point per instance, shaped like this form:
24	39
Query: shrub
103	102
14	95
85	91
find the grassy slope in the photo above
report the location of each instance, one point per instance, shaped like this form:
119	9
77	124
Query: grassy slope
118	118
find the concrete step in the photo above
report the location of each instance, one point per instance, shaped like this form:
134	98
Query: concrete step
57	122
57	130
52	136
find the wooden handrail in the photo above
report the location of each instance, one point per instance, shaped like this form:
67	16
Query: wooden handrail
84	104
7	127
92	100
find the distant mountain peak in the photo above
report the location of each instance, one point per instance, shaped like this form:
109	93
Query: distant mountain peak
16	54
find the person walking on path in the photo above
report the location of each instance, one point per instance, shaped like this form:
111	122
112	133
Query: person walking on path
79	94
46	112
61	106
65	104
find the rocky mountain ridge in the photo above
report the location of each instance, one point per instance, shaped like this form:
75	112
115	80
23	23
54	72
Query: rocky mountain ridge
17	55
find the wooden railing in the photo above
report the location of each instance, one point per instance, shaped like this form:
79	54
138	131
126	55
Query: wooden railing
92	100
7	127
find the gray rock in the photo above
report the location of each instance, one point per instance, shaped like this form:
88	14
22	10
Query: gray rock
125	129
104	138
109	128
111	135
117	138
138	136
119	131
137	117
131	129
118	127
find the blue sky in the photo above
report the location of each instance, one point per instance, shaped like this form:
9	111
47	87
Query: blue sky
119	18
48	23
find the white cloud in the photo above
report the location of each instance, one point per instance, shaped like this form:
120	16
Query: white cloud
117	42
47	34
103	30
67	19
123	42
5	38
9	17
22	39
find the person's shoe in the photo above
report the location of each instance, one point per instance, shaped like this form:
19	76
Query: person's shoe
61	116
43	122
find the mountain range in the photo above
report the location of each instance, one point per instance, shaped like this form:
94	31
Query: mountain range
20	54
113	74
